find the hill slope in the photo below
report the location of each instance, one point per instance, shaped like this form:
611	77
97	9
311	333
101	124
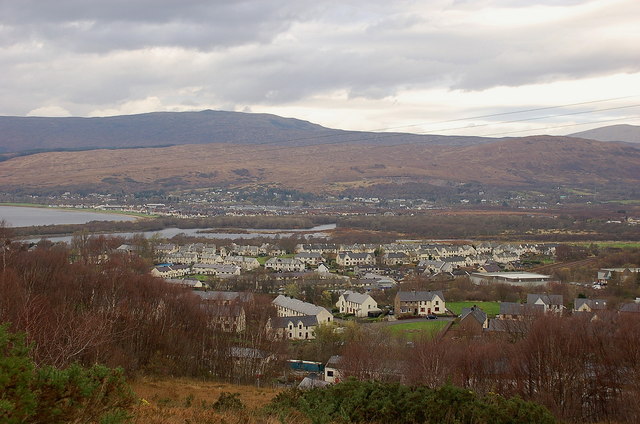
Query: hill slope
519	162
28	134
625	133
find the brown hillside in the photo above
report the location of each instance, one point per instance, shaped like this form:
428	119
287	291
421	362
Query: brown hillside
329	168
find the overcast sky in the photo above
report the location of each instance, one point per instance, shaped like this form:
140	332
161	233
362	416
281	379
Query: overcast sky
374	64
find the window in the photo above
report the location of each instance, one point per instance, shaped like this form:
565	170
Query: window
437	302
329	373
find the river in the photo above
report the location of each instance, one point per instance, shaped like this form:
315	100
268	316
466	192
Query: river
18	216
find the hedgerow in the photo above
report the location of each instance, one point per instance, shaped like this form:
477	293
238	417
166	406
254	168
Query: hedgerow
49	395
375	402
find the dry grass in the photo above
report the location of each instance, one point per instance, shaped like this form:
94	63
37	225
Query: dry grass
173	401
532	160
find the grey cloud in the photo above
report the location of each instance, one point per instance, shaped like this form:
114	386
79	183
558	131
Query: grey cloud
104	25
89	55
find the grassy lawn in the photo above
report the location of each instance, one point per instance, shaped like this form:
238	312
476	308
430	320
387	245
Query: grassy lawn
413	329
263	259
490	308
199	277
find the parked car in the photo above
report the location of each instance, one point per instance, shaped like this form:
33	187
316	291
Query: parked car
432	317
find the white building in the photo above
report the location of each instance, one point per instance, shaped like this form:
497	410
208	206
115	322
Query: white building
513	278
285	264
360	305
290	307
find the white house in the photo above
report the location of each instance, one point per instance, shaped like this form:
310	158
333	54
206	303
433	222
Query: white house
285	264
290	307
589	305
309	258
295	328
396	258
332	372
171	271
351	259
219	270
420	303
360	305
550	302
244	262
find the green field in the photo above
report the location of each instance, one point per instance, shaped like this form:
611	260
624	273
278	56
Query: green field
414	329
199	277
490	308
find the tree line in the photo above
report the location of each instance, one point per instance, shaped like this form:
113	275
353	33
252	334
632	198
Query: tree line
582	370
114	313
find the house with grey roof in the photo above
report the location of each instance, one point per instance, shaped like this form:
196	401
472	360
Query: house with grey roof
396	258
606	274
185	282
589	305
355	303
420	303
550	302
285	265
245	263
351	259
515	310
629	308
332	370
489	267
476	314
171	271
218	270
302	327
290	307
309	258
435	267
472	323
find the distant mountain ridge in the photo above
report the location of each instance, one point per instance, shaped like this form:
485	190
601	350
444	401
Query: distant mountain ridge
175	150
33	134
624	133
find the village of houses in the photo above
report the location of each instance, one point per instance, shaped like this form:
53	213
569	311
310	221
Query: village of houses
354	274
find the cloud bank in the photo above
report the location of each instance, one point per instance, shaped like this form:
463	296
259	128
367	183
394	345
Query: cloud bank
384	61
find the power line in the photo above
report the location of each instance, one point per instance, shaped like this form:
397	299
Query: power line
380	134
566	125
539	117
508	113
422	143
